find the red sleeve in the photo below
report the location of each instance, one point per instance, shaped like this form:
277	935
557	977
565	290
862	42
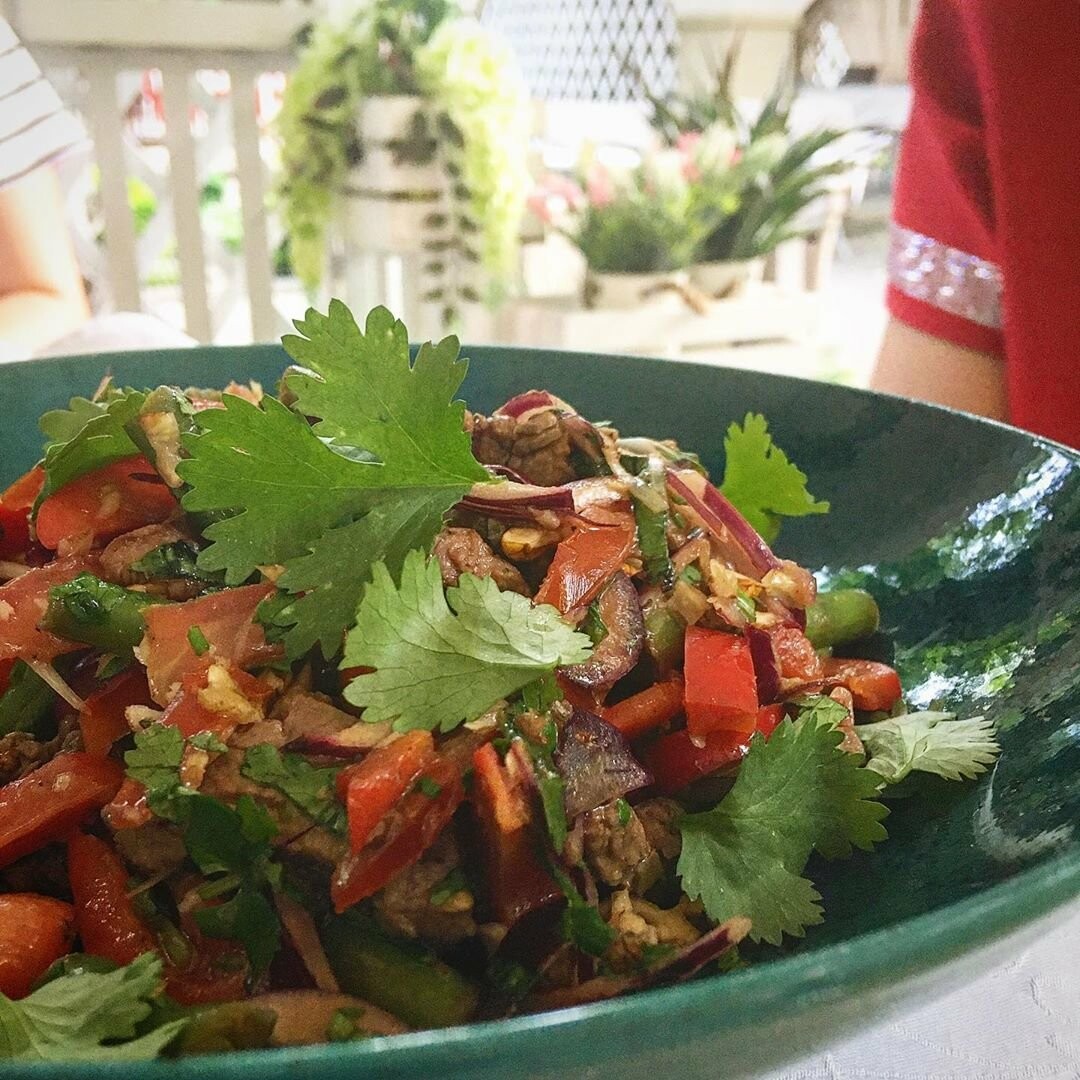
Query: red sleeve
943	262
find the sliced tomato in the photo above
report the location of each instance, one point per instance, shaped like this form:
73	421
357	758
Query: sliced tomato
648	710
105	503
108	924
374	785
584	562
676	760
517	883
15	504
23	601
35	931
127	809
873	686
797	657
410	829
102	719
48	803
215	697
217	971
226	621
721	687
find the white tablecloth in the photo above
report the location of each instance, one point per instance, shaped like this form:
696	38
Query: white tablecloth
1020	1022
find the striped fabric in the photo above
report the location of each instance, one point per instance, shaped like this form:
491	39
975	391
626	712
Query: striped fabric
35	128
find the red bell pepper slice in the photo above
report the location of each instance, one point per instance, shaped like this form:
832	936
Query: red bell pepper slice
15	504
648	710
873	686
48	803
583	564
410	829
188	711
721	687
128	808
108	924
105	503
676	760
517	883
226	621
35	931
23	601
373	786
102	720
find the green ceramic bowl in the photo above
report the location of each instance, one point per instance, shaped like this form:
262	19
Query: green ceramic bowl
969	535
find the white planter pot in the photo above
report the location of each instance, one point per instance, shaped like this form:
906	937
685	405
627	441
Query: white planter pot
381	119
389	225
623	291
380	172
720	279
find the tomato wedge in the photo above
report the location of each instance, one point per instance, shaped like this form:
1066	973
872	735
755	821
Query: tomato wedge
35	931
648	710
676	760
373	786
411	828
583	564
105	503
102	720
226	621
873	686
797	657
23	601
127	809
108	924
721	687
15	505
51	801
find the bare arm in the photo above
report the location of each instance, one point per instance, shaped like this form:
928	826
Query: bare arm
918	365
41	290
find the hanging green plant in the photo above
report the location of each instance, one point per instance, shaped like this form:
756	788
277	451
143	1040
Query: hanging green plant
471	122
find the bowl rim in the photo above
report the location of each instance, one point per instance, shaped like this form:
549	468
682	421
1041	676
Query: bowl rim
795	983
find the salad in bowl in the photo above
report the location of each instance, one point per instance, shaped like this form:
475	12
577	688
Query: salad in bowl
344	711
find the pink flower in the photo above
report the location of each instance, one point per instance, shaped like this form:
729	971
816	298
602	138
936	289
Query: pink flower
554	196
599	186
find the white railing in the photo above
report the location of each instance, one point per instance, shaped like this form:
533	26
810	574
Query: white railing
110	44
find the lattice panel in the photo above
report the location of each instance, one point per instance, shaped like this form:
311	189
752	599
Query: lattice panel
589	49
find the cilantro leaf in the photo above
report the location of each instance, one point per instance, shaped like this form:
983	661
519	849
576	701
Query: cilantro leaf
155	763
76	1015
326	583
760	480
441	659
933	742
794	794
282	485
247	917
367	395
99	441
311	788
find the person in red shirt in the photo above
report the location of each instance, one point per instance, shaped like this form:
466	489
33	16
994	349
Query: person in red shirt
984	262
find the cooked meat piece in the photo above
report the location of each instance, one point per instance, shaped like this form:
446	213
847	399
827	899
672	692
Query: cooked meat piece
465	551
21	753
154	848
121	553
540	445
659	818
405	904
614	849
43	871
640	925
262	731
224	780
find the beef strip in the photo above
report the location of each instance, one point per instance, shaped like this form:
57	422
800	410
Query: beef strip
614	850
540	445
465	551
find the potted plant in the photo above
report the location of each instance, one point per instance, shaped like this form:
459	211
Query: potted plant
754	178
635	228
413	120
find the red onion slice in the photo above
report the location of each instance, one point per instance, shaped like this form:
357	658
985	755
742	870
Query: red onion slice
749	554
766	666
517	502
530	400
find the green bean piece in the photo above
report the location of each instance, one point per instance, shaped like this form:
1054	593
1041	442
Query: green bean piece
664	633
92	611
841	616
26	704
235	1025
401	978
